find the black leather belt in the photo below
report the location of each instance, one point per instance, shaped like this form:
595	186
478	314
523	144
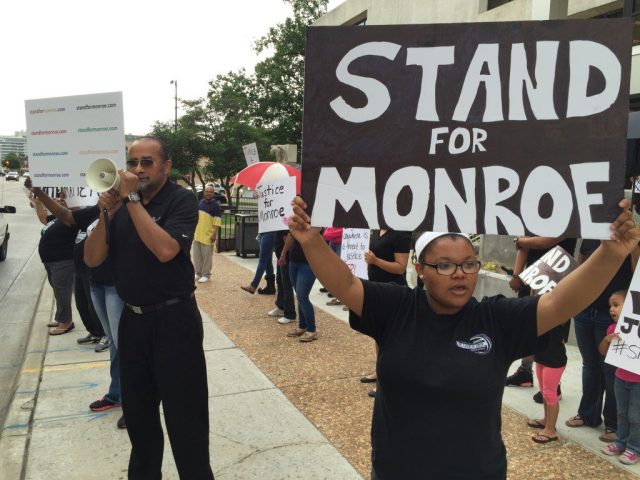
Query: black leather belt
158	306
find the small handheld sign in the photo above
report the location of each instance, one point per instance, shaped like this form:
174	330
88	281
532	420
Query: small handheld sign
355	242
274	203
544	274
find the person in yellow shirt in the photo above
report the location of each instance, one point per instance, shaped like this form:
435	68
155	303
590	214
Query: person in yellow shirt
206	233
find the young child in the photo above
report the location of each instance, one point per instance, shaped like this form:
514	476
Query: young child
627	390
550	366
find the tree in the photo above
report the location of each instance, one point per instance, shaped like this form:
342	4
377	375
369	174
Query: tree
186	148
279	79
11	161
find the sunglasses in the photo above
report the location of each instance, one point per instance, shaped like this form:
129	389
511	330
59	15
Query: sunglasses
145	162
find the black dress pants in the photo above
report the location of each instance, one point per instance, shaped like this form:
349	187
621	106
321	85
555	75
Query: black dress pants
161	360
88	315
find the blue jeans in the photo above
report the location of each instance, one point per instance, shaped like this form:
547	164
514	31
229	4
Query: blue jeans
265	258
628	401
591	327
109	307
302	279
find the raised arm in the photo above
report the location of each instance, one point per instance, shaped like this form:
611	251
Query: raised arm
582	286
329	269
59	211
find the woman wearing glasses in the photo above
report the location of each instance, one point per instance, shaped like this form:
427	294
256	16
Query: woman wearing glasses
443	355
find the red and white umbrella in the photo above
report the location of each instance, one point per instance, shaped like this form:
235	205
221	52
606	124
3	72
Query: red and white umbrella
251	175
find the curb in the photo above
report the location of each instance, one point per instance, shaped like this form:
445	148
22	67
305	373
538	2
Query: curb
16	433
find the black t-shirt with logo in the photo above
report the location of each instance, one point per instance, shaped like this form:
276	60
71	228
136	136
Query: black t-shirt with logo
82	218
385	247
57	240
140	278
440	381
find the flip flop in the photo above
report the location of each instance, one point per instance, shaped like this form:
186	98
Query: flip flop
53	324
540	438
575	422
61	331
534	424
368	380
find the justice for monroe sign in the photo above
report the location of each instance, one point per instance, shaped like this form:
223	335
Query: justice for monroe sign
512	128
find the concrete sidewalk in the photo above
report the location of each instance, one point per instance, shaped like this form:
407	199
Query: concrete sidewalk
256	431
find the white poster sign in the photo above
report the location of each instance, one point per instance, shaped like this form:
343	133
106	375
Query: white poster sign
355	242
66	134
274	204
76	196
625	353
251	153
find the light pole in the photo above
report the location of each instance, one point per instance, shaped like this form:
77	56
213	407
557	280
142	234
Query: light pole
175	98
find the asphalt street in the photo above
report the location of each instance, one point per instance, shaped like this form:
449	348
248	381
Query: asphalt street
21	278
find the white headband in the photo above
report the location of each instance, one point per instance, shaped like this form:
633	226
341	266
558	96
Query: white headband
427	237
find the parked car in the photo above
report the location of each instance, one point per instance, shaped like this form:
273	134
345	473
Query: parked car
26	175
4	231
13	176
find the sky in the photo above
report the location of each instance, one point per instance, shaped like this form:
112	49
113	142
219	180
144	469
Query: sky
71	47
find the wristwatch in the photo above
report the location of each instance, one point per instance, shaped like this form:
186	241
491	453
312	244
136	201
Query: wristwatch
134	197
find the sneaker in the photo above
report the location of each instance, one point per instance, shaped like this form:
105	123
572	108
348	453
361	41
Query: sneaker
521	378
285	320
276	312
323	290
102	404
88	339
102	345
308	336
121	423
628	457
296	333
334	301
203	279
538	396
196	277
611	449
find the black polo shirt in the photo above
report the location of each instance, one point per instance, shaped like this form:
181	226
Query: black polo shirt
140	278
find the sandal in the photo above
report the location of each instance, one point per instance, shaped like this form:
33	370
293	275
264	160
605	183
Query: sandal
249	289
540	438
575	421
53	324
535	424
61	330
608	436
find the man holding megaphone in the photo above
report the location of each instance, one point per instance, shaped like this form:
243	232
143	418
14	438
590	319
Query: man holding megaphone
151	226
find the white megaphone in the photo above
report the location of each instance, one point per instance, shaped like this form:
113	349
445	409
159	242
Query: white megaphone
102	175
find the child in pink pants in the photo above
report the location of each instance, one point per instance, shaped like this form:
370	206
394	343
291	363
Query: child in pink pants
550	365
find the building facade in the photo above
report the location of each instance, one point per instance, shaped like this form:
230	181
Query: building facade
13	144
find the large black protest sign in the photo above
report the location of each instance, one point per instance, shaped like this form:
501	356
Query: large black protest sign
513	128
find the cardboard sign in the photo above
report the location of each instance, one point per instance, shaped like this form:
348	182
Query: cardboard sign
355	242
512	128
545	273
625	353
274	204
66	134
251	153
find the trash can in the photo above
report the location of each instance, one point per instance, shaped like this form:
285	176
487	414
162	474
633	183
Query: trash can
246	232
